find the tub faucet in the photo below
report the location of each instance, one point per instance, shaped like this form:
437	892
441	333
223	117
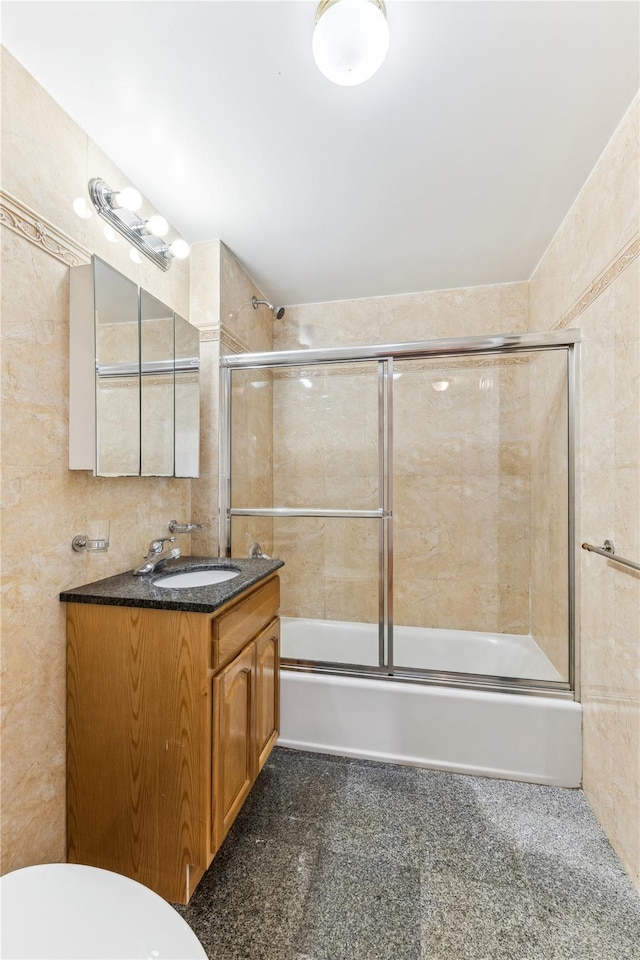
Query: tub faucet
156	557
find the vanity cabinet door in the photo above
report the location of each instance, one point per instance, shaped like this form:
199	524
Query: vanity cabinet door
233	742
267	691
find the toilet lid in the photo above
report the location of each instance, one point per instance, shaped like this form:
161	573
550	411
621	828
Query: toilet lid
67	911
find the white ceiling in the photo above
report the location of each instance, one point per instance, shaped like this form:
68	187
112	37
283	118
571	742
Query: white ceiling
453	166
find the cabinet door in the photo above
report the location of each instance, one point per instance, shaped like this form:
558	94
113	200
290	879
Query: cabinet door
267	691
233	764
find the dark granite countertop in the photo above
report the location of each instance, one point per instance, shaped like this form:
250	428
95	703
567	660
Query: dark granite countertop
126	590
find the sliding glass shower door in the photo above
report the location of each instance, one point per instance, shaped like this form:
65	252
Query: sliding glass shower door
421	498
480	505
307	481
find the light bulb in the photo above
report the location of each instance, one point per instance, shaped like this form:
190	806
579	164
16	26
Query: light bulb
179	249
129	198
350	40
111	234
157	225
82	208
134	255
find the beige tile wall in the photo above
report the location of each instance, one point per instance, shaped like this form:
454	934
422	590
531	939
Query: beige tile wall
221	293
326	455
471	311
590	278
47	162
460	464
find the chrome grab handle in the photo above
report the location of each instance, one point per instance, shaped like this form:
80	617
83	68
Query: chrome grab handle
608	550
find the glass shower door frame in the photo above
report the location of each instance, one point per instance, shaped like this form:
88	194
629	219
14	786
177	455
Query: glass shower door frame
565	340
381	513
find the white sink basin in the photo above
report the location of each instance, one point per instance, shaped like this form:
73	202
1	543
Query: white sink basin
195	578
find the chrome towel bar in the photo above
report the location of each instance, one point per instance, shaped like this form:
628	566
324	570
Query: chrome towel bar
608	550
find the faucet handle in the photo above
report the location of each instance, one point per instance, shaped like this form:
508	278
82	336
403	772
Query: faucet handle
156	546
176	527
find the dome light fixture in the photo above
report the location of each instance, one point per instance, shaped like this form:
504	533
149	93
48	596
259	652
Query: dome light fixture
350	40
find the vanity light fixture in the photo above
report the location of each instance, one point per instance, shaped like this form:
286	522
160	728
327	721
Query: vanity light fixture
350	39
119	208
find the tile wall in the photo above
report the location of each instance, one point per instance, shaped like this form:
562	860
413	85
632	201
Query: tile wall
461	465
221	307
589	278
47	161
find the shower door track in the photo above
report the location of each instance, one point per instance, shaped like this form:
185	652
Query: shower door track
385	355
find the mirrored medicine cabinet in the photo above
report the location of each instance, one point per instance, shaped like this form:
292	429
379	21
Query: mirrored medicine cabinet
134	380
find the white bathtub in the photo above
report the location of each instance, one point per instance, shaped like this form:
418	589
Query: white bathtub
457	651
516	737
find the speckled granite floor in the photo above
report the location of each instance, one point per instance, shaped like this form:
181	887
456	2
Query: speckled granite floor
338	859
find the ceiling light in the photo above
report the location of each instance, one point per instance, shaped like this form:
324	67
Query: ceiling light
350	40
440	385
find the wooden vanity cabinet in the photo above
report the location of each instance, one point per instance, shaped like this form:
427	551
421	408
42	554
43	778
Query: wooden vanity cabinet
246	699
170	717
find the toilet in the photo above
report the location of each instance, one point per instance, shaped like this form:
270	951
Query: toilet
67	911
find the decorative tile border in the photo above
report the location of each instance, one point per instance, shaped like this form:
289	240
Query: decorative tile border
24	221
619	263
208	331
232	343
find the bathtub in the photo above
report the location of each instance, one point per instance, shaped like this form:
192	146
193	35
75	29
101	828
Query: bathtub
517	737
456	651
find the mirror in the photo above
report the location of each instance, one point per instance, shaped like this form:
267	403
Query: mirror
156	387
187	398
117	398
134	390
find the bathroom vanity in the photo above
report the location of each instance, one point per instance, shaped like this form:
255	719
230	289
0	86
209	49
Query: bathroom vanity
172	711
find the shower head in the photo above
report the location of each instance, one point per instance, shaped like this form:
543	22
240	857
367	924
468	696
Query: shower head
278	312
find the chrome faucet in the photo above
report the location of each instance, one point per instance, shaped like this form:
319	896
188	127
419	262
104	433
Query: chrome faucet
255	552
156	556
